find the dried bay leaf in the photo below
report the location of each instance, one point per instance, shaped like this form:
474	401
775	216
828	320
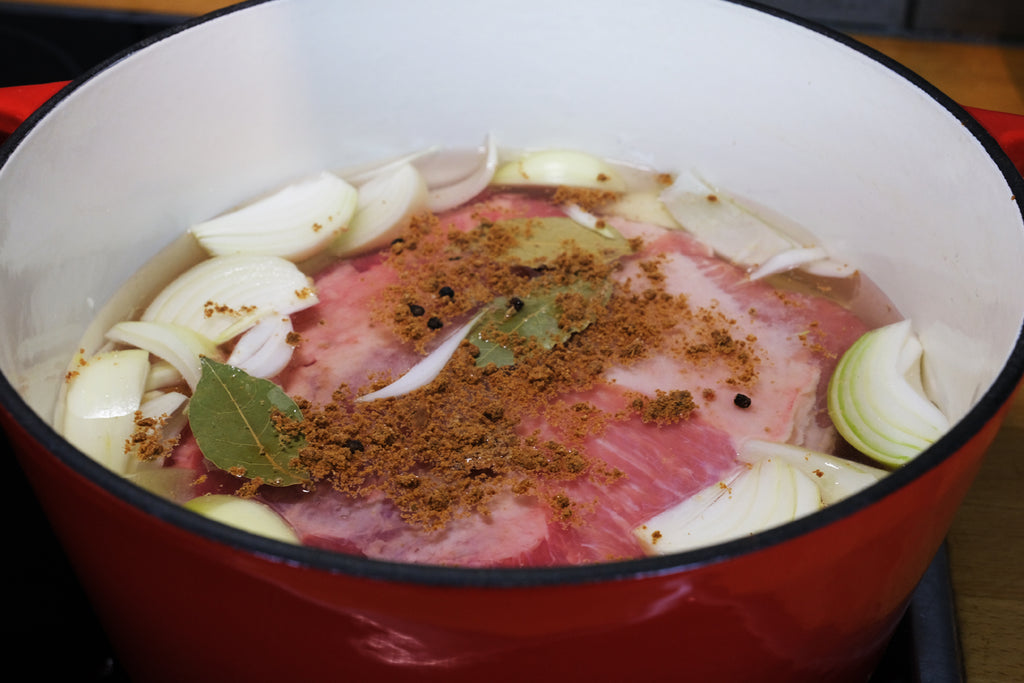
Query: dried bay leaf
231	417
546	238
537	319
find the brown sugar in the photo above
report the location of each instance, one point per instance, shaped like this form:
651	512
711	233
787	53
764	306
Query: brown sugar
147	441
588	199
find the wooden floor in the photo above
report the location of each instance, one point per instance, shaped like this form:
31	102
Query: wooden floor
986	544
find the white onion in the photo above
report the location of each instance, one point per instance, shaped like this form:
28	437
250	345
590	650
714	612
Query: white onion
251	287
835	477
717	220
560	167
427	369
293	223
102	397
264	351
162	375
788	260
168	407
178	345
876	399
588	220
449	196
764	495
386	203
243	513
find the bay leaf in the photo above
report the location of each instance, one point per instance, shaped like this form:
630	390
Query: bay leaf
231	417
537	319
543	239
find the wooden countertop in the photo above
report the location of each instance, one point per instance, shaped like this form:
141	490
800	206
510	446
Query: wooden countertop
986	543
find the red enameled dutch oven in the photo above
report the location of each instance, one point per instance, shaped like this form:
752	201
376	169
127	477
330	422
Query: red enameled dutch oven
879	164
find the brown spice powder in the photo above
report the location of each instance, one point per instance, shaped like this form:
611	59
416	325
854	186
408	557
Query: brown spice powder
445	450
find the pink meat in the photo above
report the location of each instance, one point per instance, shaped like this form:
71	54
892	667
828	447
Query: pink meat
662	465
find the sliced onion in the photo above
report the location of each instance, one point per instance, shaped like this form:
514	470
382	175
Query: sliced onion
168	406
386	203
589	221
162	375
243	513
788	260
560	167
876	399
769	493
178	345
247	288
837	478
449	196
427	369
264	350
642	207
172	483
102	397
293	223
730	229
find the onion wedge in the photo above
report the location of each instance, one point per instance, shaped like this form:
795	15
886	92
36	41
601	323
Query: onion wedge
560	167
589	221
264	350
386	203
836	477
162	375
224	296
103	394
168	406
764	495
243	513
427	369
178	345
293	223
449	196
740	235
876	399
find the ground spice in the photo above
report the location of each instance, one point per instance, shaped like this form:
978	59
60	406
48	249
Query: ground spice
444	450
147	441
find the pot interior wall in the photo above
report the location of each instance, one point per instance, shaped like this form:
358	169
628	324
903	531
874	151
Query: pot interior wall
769	111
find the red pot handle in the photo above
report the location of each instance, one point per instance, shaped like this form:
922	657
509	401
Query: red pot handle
1007	129
18	102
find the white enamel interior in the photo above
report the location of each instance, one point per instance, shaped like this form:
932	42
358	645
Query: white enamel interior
769	110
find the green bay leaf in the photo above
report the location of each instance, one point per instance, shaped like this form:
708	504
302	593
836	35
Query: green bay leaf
543	239
231	417
537	319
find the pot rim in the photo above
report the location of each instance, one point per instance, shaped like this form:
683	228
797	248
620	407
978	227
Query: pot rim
997	395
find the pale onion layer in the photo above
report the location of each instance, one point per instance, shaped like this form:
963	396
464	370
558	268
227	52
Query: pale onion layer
224	296
876	399
293	223
759	497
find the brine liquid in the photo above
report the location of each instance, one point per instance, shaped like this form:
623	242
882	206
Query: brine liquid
653	425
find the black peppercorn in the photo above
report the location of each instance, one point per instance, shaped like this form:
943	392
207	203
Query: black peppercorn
516	303
435	323
742	401
354	445
446	291
416	310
